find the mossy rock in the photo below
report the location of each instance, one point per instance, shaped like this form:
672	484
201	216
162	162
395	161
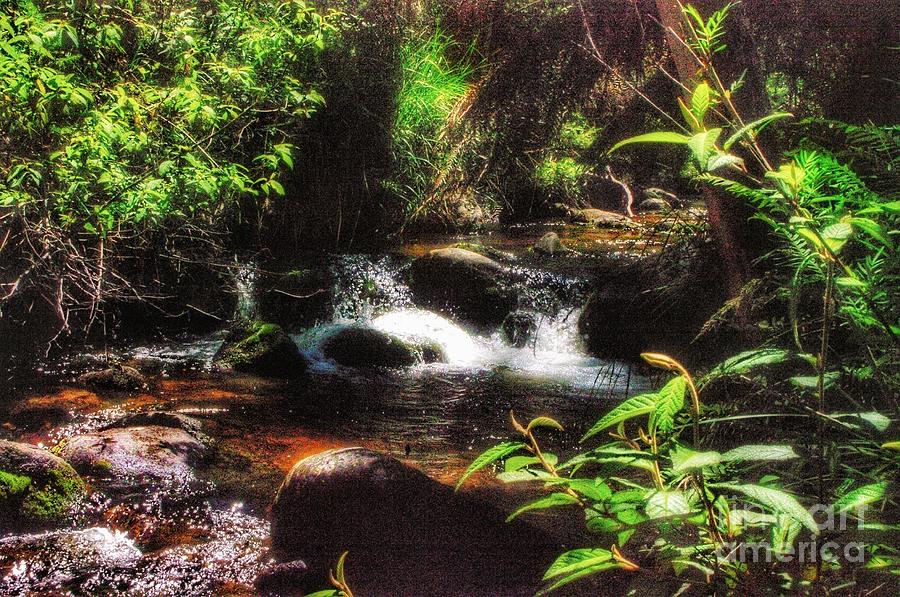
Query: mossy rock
262	349
361	346
118	378
36	487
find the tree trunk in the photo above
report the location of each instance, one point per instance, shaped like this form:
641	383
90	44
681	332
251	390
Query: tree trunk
737	240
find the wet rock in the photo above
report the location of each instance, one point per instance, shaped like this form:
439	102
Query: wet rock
137	455
656	304
657	194
464	284
36	487
650	205
361	346
549	244
261	349
518	328
282	578
599	218
36	411
161	418
91	559
296	298
118	377
410	533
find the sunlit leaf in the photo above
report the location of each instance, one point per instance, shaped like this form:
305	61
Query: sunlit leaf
554	500
488	457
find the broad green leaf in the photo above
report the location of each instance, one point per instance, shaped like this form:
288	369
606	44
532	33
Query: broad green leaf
643	404
862	496
554	500
894	445
577	559
524	476
544	422
718	161
784	533
488	457
593	489
685	459
702	144
658	137
689	117
747	361
515	463
586	571
669	404
755	127
848	282
700	102
873	419
811	382
837	235
762	452
326	593
667	503
777	501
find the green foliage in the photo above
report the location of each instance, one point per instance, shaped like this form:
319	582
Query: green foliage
561	176
432	91
680	492
121	115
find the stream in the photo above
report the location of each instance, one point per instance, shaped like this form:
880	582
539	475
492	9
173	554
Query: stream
209	535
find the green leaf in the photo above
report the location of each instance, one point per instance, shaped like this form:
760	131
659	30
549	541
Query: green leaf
636	406
658	137
515	463
811	382
700	102
554	500
718	161
667	503
524	476
702	144
488	457
755	127
777	501
848	282
685	459
593	489
862	496
544	422
326	593
873	419
586	570
837	235
762	452
577	559
894	445
669	404
747	361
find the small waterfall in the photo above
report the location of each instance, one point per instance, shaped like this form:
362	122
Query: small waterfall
245	278
368	285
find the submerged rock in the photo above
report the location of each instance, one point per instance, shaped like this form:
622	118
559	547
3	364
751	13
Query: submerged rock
410	533
136	455
518	328
282	578
36	487
160	418
262	349
120	378
600	218
52	409
46	563
549	244
361	346
648	205
464	284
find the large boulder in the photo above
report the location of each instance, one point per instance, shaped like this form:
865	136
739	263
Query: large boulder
147	455
362	346
659	304
411	534
36	487
262	349
463	284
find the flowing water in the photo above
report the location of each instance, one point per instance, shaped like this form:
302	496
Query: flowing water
436	416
